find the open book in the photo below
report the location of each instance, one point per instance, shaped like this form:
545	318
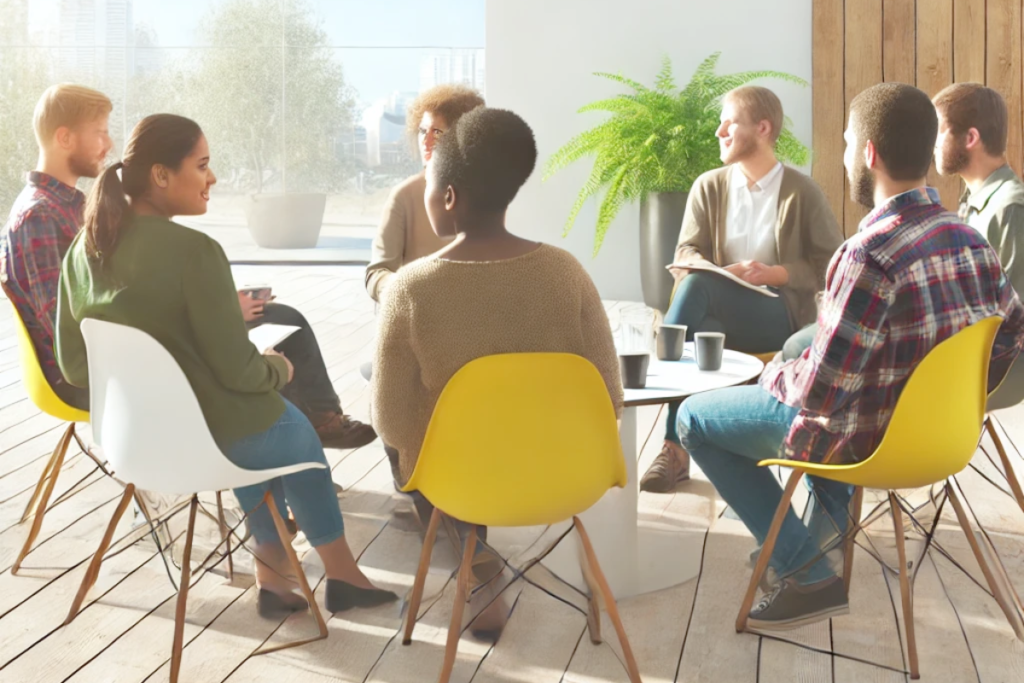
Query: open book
269	335
712	268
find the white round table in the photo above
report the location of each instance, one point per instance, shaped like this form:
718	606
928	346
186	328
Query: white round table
637	559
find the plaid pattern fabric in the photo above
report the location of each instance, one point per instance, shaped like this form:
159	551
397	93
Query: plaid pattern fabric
44	220
910	278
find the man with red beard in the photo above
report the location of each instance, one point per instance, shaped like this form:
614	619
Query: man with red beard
70	124
972	144
766	224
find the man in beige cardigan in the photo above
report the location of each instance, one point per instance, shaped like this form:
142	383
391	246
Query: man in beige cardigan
764	223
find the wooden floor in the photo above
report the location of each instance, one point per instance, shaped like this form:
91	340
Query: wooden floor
681	634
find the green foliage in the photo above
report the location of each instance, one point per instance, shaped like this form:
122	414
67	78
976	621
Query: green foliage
658	139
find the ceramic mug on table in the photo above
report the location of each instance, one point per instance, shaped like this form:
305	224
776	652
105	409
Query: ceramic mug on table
709	348
670	342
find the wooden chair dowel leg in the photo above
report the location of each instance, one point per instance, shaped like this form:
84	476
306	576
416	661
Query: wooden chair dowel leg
594	619
461	592
44	500
300	576
1011	476
47	473
421	576
609	600
908	598
186	577
225	537
767	549
993	585
93	570
850	545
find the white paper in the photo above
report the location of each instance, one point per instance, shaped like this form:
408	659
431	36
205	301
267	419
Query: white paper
712	268
269	335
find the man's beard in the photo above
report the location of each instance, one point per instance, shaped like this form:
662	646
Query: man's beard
742	148
83	167
954	157
862	184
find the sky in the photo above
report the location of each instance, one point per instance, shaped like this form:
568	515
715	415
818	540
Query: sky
401	25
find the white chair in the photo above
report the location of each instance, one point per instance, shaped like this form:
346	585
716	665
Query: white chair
149	423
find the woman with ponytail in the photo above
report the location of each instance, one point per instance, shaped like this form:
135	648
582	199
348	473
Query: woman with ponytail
133	265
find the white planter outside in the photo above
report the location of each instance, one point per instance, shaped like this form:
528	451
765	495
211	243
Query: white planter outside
289	220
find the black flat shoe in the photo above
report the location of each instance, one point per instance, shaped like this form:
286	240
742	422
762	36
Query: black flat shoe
343	596
271	605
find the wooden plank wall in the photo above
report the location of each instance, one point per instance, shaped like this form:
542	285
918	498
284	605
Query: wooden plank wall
927	43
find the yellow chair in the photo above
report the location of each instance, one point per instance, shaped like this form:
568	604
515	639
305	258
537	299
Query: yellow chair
43	396
518	440
933	434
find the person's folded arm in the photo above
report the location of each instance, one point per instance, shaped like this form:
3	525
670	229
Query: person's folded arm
851	332
694	245
69	344
220	333
388	247
598	343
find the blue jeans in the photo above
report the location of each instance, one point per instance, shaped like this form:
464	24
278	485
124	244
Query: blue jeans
752	322
310	494
727	432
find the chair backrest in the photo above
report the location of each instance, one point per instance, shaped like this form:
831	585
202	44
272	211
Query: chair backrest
521	439
935	428
36	385
146	416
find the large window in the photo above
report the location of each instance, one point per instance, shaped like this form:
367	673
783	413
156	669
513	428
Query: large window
294	95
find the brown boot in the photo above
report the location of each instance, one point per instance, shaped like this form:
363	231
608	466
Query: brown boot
337	430
669	469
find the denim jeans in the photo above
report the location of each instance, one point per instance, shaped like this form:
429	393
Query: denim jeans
752	322
311	389
727	432
310	494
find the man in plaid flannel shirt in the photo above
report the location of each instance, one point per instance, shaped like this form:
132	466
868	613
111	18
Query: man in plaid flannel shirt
71	128
911	277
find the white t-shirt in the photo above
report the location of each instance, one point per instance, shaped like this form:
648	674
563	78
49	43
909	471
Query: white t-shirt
751	216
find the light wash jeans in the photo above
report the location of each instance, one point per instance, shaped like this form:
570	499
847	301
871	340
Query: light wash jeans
310	494
727	432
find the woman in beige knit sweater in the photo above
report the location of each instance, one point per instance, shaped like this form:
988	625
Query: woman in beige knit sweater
488	292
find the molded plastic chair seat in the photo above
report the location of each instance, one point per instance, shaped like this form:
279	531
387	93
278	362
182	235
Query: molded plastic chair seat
151	427
518	440
933	434
43	396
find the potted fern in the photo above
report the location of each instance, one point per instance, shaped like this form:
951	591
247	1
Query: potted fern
656	143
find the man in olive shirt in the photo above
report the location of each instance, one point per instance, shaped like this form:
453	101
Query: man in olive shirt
972	144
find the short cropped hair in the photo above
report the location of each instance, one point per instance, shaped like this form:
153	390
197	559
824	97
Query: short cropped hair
760	104
486	157
67	105
972	105
449	100
902	124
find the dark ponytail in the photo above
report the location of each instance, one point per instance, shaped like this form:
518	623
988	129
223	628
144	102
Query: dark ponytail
106	213
164	139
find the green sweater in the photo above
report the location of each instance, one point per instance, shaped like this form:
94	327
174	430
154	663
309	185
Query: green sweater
175	284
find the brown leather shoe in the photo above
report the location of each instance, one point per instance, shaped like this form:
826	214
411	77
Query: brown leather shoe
667	471
337	430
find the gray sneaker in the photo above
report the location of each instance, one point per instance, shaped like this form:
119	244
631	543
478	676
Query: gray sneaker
790	605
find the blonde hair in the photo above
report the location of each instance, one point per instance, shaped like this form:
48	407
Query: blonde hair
760	104
67	105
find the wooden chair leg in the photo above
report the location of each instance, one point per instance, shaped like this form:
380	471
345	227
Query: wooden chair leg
609	601
993	585
186	577
767	549
58	450
421	576
300	576
44	498
594	620
1011	476
93	570
461	593
225	537
850	545
908	598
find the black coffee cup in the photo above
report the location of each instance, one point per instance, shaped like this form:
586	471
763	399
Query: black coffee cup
670	341
633	367
709	347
